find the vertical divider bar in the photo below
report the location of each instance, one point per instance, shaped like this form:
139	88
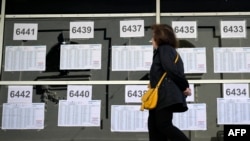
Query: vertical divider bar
2	19
158	10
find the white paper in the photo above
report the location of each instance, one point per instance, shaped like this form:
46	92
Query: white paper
233	111
128	118
191	98
23	116
193	119
132	58
77	113
231	59
25	58
80	56
194	59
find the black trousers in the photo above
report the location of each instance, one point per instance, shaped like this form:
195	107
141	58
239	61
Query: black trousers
161	128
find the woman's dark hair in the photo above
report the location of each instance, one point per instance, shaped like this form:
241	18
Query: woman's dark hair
164	34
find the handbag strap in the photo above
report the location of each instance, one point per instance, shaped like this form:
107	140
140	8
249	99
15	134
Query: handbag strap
165	73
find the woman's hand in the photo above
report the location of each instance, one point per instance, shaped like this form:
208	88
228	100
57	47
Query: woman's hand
187	92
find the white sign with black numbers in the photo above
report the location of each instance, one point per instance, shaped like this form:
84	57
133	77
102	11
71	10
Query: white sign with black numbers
234	91
185	29
20	94
132	28
233	29
25	31
79	93
81	30
133	93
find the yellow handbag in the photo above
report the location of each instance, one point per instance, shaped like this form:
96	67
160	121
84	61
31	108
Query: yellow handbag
150	97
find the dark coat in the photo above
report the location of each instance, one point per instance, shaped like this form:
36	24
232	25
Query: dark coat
171	89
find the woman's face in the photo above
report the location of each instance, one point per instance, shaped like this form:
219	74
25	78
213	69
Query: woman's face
155	46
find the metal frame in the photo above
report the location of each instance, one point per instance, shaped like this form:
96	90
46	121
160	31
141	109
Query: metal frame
157	15
117	82
2	31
